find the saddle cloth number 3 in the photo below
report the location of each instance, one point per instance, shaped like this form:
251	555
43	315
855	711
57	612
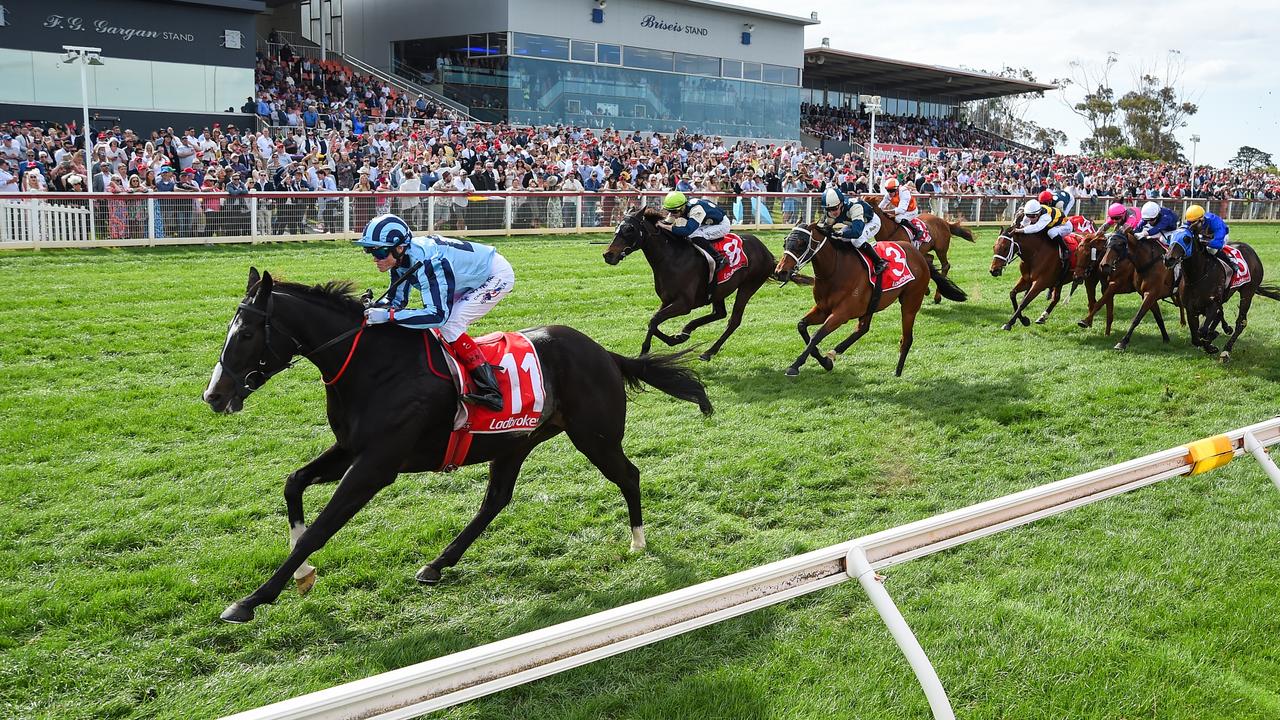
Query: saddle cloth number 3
529	364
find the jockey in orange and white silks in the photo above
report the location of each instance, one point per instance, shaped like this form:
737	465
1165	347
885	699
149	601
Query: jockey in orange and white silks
900	202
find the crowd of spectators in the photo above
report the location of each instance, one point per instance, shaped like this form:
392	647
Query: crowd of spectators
844	124
343	132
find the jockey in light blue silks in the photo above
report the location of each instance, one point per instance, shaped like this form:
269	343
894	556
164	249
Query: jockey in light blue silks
459	282
861	223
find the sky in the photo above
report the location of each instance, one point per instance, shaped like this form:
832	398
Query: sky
1228	46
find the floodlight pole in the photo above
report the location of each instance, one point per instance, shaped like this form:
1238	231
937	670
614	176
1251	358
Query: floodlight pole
80	55
871	103
1195	143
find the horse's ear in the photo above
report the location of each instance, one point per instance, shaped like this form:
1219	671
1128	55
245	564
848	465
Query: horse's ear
264	289
253	279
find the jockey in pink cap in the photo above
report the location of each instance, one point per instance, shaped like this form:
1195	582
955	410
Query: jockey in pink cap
1120	216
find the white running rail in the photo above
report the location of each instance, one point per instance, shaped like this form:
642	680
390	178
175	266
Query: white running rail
446	681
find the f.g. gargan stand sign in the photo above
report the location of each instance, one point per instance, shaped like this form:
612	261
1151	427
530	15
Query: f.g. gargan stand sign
63	22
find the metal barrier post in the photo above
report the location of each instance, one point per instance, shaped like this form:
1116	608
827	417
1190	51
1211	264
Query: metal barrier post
346	214
506	214
253	220
808	207
151	221
577	215
856	565
977	210
1259	452
431	213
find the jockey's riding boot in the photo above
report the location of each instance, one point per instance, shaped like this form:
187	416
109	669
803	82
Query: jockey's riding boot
912	232
484	381
878	263
715	276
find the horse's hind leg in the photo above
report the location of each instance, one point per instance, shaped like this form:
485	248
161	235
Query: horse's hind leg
1242	320
502	482
739	307
606	453
717	313
1055	294
1159	316
326	468
864	324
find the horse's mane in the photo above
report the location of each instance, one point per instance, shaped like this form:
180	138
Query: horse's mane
651	214
339	295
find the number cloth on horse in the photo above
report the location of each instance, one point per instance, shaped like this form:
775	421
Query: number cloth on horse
730	247
898	272
922	232
523	398
1242	276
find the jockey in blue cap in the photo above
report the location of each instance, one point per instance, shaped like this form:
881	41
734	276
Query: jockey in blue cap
861	223
459	282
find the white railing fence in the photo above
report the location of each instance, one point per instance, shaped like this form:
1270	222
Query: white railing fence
43	220
453	679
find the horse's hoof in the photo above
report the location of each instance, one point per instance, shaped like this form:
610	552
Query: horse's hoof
306	582
1225	357
705	357
1040	320
826	363
1025	322
237	613
1121	346
1083	325
1007	326
792	372
428	575
638	543
831	354
679	338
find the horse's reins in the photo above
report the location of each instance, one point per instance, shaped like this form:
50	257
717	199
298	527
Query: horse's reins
247	386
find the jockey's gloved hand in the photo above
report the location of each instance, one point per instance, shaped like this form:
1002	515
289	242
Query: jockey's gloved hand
377	315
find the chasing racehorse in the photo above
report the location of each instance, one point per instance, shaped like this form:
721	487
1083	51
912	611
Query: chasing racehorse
1117	281
844	288
391	413
940	233
1150	278
1200	291
680	276
1041	269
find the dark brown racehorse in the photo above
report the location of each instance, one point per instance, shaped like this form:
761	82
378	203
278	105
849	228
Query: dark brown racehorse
1151	279
845	289
391	413
680	276
1115	282
1041	269
940	233
1200	292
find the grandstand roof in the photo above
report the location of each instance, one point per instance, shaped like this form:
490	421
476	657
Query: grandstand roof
752	12
894	77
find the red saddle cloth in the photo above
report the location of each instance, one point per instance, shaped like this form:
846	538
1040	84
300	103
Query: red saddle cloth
1081	224
730	246
1242	276
523	392
898	273
1072	241
924	236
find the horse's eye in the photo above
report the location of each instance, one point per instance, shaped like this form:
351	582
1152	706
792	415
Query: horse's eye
246	334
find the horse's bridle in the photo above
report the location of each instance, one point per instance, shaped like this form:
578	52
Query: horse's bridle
810	251
629	247
1015	249
249	381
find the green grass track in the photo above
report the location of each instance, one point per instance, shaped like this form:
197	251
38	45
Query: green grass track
130	515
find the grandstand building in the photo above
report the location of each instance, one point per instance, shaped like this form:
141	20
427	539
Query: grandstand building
182	62
631	64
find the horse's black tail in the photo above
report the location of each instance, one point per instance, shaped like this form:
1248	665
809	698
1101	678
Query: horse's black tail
668	373
1270	291
962	231
949	290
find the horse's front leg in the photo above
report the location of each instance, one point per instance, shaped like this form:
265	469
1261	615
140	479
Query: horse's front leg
1207	333
1097	304
326	468
367	475
666	312
813	317
1032	292
811	348
1022	284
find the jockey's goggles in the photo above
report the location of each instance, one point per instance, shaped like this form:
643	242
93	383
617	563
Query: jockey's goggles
379	253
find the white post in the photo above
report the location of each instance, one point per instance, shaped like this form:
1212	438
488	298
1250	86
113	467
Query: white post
577	215
346	214
253	219
871	157
856	564
84	131
431	213
151	221
323	11
1259	452
506	214
1195	144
